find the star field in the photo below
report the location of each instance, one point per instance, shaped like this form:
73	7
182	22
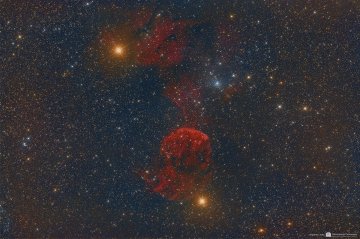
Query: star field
179	119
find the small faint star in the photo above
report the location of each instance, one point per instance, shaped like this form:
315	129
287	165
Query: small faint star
327	148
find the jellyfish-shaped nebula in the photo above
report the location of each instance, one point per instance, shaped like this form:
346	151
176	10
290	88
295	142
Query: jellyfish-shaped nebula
185	165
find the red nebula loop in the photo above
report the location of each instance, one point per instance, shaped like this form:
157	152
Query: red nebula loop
186	165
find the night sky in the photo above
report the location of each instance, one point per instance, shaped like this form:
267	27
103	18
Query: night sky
179	119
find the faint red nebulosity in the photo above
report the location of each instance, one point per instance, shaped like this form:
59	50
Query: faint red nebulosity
231	91
149	41
186	165
164	46
186	95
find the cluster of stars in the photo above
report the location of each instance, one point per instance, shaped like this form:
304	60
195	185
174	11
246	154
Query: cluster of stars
274	84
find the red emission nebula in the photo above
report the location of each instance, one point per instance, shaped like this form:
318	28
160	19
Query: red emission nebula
185	165
185	154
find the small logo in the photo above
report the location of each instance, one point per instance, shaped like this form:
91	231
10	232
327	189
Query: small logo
334	235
